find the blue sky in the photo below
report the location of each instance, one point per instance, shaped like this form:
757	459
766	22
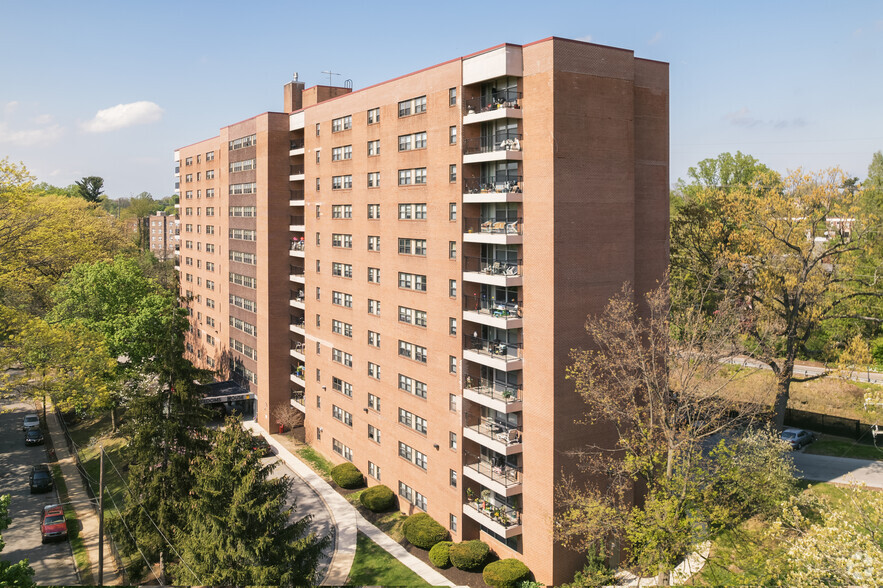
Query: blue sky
112	88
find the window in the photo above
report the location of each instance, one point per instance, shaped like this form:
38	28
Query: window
453	478
373	339
342	153
452	364
344	270
318	155
452	211
341	240
210	193
374	275
374	402
412	141
452	173
412	106
188	244
452	326
404	177
209	303
452	97
243	235
374	211
374	433
409	453
452	135
374	471
318	185
341	449
373	179
452	440
242	142
420	175
241	280
209	266
188	194
412	247
412	281
188	161
373	243
374	147
249	188
342	211
210	156
342	299
374	307
238	166
189	178
341	328
342	357
243	326
318	239
243	303
244	211
413	421
452	402
374	371
318	297
453	523
343	123
210	174
452	250
344	388
452	288
412	211
317	129
209	229
373	116
412	386
242	257
341	182
244	349
210	211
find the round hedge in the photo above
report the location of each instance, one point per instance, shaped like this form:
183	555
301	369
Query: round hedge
505	573
469	555
423	531
348	476
440	555
378	498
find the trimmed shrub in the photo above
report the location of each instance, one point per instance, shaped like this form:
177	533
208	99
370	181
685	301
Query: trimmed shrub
423	531
469	555
378	498
505	573
348	476
440	555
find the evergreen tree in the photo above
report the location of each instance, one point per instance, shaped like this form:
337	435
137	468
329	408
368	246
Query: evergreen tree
238	526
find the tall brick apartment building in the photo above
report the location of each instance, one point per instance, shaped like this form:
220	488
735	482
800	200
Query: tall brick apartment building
410	264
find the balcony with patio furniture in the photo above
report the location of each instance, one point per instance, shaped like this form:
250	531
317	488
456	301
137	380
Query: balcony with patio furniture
493	147
493	270
297	299
298	371
504	479
500	436
500	396
493	105
296	274
493	230
298	400
297	350
492	188
297	324
502	519
486	310
296	147
493	353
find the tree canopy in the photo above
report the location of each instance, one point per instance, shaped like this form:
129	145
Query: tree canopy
90	188
13	575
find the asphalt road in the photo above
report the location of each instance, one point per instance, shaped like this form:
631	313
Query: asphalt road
53	563
840	470
307	503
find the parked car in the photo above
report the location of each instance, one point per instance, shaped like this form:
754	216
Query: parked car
798	438
259	444
40	479
33	436
31	420
52	523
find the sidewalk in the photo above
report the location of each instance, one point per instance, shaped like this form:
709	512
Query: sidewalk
86	514
348	521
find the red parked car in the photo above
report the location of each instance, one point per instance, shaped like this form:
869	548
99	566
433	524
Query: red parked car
52	523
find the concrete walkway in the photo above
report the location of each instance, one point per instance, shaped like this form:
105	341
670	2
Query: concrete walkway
347	521
87	514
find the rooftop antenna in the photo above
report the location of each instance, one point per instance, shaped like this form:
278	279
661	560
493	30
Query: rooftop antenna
295	76
330	73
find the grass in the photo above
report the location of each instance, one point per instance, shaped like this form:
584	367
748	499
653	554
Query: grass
388	522
315	460
843	448
373	566
81	555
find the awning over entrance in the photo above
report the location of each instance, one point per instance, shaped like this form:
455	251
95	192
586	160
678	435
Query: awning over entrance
229	391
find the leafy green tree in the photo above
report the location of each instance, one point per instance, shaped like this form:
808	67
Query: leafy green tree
141	207
90	188
14	575
654	379
238	527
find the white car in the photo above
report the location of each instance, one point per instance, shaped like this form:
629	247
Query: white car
30	421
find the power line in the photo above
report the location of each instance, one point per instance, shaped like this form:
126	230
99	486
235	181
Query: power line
149	518
132	536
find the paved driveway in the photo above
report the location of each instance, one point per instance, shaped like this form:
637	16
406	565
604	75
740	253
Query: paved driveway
52	563
840	470
308	503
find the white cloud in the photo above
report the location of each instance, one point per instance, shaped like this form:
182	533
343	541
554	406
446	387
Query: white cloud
9	107
743	118
122	116
585	39
655	38
43	119
28	137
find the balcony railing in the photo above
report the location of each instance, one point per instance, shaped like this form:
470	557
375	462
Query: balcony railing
297	144
298	396
502	474
298	245
297	296
296	220
298	371
499	99
494	267
493	226
493	184
296	170
299	347
502	514
496	308
295	270
492	143
495	348
498	431
296	195
496	390
297	321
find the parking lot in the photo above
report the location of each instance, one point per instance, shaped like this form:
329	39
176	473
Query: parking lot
52	563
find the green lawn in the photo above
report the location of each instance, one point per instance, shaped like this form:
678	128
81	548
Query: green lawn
315	460
373	566
844	448
388	522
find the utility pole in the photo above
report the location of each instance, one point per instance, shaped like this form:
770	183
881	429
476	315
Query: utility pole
101	516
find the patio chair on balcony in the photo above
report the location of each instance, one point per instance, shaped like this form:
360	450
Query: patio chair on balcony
512	228
509	437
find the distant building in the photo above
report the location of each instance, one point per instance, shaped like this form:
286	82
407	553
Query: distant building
162	230
411	263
